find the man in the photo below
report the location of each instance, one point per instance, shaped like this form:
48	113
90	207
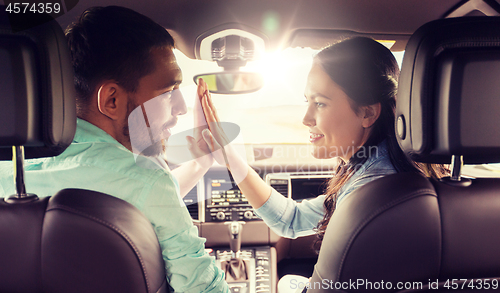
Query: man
124	64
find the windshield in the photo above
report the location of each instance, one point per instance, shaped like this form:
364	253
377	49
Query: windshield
272	115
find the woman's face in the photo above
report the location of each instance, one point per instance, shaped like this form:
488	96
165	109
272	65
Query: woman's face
335	129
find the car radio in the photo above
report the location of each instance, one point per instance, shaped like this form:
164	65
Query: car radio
225	201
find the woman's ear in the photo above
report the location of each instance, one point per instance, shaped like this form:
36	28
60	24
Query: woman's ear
111	100
370	114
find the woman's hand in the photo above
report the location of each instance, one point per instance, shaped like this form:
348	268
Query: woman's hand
214	136
255	189
196	143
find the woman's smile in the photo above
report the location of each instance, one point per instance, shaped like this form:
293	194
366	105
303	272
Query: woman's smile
315	137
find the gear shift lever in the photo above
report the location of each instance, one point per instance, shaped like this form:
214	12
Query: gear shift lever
235	229
235	268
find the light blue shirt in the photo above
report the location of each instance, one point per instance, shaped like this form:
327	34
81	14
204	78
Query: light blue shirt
291	219
97	161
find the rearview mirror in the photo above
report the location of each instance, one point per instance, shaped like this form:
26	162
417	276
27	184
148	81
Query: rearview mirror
232	82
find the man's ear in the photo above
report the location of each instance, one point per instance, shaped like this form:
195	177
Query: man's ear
111	100
370	114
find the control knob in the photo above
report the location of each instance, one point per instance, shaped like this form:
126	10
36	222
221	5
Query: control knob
248	215
220	215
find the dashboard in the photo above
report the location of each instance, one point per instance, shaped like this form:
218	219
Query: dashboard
216	200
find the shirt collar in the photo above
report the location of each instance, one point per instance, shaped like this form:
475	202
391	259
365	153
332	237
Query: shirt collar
379	154
88	132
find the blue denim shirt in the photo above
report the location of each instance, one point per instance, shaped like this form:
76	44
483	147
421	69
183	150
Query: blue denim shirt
97	161
290	219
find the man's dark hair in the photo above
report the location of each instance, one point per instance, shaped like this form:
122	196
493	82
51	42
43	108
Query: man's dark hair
112	43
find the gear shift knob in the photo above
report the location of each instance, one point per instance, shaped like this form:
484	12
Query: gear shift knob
235	233
235	228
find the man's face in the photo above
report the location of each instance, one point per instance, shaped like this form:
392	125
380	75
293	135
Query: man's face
155	105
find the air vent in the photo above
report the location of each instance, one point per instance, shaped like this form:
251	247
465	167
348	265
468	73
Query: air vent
280	185
307	188
191	201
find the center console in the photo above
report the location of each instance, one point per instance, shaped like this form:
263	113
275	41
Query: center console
248	269
259	269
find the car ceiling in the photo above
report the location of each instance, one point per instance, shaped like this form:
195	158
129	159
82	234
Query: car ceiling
303	23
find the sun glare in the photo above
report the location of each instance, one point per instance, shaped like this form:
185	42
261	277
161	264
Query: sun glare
271	115
285	70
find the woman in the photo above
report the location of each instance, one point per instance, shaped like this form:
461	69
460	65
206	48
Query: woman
351	96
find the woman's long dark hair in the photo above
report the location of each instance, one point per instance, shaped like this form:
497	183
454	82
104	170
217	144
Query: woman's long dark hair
368	73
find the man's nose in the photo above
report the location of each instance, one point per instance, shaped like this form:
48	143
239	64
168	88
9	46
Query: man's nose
178	104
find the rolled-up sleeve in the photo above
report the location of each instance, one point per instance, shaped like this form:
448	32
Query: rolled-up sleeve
289	218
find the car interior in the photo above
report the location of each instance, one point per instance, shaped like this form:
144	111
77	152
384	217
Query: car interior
404	232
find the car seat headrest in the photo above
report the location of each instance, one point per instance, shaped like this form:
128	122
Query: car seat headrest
449	92
37	103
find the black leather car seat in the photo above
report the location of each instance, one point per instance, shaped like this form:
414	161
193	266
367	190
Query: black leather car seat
77	240
424	233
